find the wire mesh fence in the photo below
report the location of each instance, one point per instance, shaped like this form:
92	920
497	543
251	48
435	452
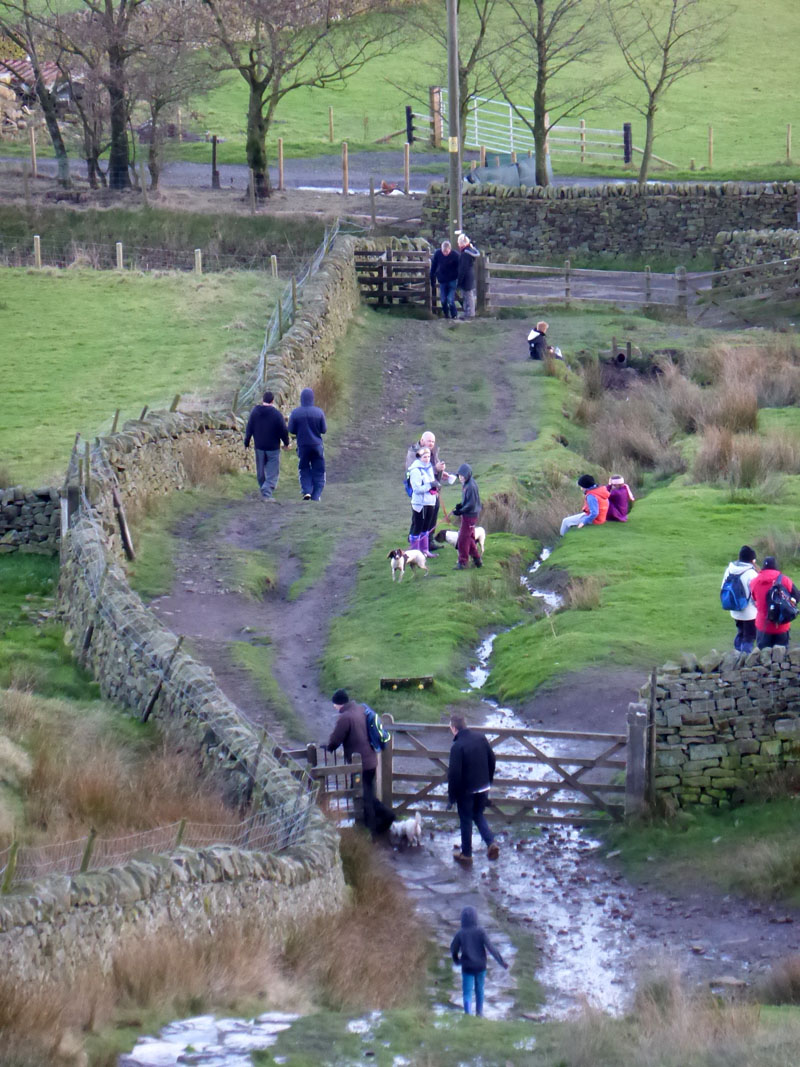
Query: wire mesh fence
259	832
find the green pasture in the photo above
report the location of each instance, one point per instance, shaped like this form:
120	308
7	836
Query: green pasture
79	344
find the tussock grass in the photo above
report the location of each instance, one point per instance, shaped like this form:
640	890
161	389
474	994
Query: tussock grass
583	594
83	774
346	956
782	984
327	389
745	459
203	466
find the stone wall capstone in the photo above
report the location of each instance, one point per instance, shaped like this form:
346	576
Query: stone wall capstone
535	224
723	722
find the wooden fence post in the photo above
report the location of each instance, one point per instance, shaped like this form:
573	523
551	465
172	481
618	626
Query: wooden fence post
357	785
273	262
37	251
294	298
180	833
34	167
280	164
648	285
87	451
680	288
372	215
567	280
345	170
252	192
11	867
330	125
389	276
406	168
483	155
482	285
151	703
513	157
87	852
280	316
215	183
650	742
788	142
435	98
636	759
198	261
385	765
120	263
115	420
583	140
175	401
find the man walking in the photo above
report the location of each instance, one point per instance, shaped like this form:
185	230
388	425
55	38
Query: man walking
444	272
351	733
737	597
267	428
771	629
469	775
307	424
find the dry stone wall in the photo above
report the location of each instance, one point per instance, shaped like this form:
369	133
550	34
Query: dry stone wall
58	927
724	722
29	520
745	248
534	224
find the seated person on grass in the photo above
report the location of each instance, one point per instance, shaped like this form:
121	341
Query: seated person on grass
620	499
595	505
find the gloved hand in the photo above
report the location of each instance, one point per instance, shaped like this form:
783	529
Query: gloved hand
456	510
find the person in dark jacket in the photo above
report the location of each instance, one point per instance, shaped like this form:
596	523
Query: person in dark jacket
470	772
467	255
307	424
468	508
351	733
469	948
267	428
444	272
538	347
769	634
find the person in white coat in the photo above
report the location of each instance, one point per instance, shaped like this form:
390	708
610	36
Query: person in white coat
745	618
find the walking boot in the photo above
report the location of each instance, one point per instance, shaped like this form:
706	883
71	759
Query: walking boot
423	547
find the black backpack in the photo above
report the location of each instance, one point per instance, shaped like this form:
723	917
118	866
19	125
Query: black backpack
780	606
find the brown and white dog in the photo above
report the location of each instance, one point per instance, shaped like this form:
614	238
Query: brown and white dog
406	557
451	537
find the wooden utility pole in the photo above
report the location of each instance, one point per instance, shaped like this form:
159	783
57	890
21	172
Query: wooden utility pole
454	133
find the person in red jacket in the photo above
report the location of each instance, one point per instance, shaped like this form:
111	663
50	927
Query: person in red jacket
595	505
769	634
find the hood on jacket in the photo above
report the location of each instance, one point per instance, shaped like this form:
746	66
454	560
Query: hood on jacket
465	470
469	917
737	566
307	397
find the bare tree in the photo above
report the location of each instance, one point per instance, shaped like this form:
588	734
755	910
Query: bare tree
167	71
23	28
483	47
279	46
85	75
554	35
663	41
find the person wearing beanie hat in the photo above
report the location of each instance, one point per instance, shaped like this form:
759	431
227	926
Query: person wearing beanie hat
350	732
468	509
768	633
739	575
595	505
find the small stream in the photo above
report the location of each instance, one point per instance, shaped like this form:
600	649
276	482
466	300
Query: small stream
549	880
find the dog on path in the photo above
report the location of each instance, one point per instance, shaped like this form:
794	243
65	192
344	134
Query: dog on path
407	831
406	557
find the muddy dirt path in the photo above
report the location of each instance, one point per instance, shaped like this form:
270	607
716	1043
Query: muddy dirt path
365	457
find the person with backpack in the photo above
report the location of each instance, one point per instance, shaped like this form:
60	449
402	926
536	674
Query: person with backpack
469	948
735	596
352	732
776	597
595	505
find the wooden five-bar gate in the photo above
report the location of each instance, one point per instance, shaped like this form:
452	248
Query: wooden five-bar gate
394	277
542	776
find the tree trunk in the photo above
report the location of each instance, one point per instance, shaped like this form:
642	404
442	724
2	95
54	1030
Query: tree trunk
647	152
119	153
257	138
540	99
48	105
154	150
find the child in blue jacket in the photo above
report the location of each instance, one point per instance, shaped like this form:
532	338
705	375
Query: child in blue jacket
469	949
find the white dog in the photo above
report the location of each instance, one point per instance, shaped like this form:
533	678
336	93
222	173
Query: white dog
451	537
407	831
406	557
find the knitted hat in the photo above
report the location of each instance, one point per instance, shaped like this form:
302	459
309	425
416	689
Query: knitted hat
586	481
747	555
340	697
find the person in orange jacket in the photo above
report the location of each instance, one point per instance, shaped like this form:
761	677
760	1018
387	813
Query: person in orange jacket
595	505
769	634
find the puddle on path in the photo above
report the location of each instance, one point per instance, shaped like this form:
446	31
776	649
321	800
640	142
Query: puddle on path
205	1041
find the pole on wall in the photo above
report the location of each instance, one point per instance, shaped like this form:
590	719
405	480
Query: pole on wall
435	96
453	108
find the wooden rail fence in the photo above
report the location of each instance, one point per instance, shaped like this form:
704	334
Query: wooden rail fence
543	776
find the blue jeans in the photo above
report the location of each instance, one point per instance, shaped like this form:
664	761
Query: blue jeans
311	471
447	297
470	982
470	810
268	466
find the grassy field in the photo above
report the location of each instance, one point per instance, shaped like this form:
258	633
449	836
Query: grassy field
100	341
